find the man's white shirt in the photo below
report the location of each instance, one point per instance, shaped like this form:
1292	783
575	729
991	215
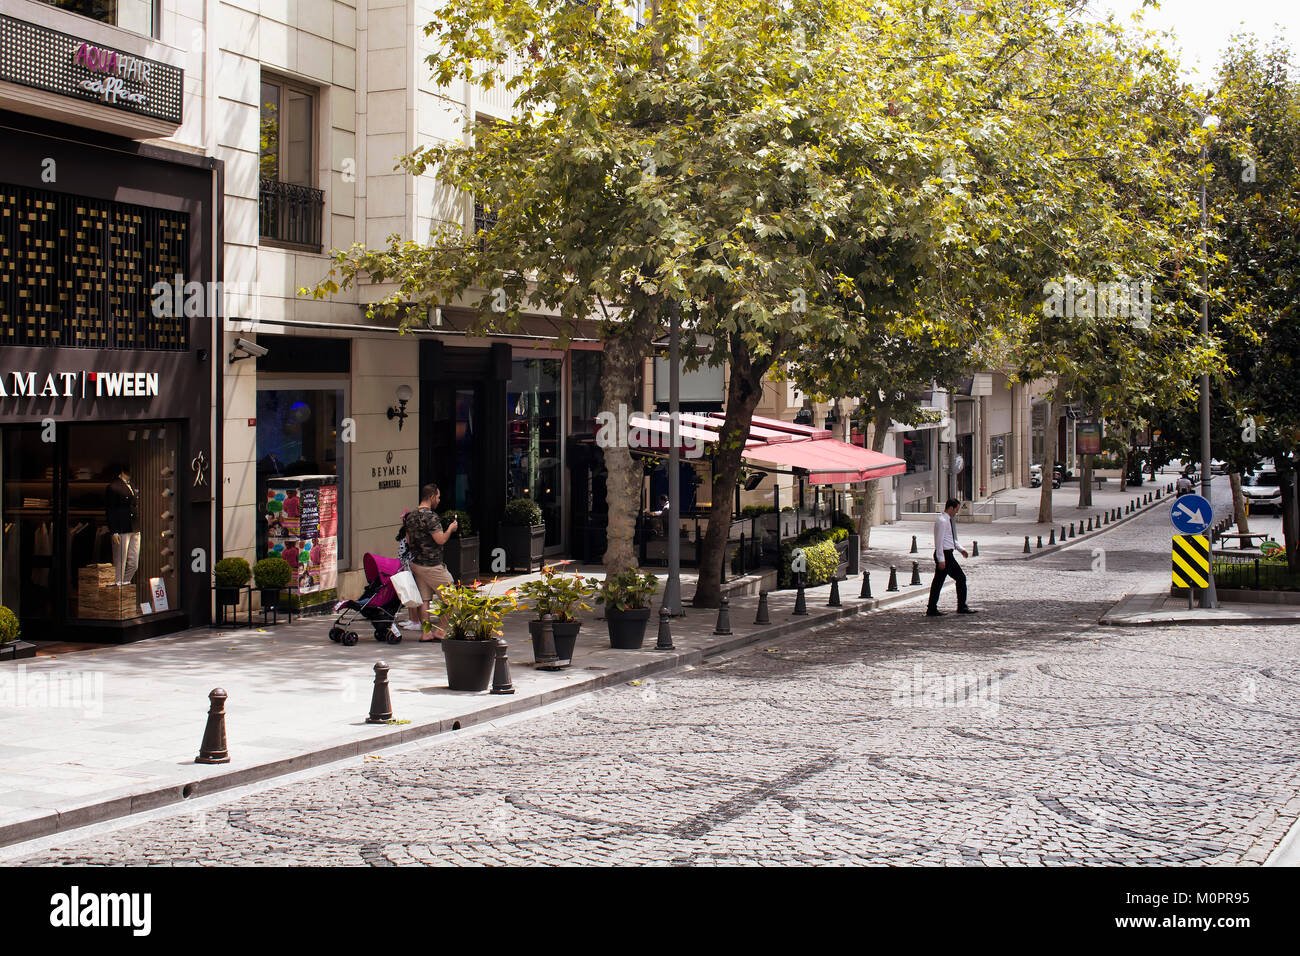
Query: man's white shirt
944	538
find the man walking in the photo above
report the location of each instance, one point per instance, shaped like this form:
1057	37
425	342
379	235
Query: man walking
945	562
424	540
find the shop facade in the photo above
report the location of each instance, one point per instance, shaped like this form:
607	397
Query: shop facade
107	471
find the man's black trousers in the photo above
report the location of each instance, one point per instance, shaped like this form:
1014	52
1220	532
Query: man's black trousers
950	569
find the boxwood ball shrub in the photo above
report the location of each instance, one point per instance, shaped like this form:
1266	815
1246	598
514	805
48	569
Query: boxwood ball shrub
232	572
272	573
9	629
463	526
522	512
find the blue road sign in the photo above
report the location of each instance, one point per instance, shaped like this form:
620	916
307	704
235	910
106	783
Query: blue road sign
1191	514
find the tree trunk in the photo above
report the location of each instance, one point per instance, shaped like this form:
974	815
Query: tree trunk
1085	483
1123	467
879	430
1290	517
1238	503
1049	466
620	373
744	391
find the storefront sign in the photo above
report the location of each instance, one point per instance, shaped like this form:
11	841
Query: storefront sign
45	59
159	589
79	385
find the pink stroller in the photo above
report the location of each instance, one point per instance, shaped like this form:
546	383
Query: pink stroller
378	604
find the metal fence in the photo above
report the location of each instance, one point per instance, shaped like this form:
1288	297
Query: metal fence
1252	573
290	213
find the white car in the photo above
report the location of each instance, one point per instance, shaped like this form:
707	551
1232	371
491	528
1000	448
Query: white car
1262	491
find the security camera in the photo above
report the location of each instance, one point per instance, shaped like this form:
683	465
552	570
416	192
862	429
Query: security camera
245	349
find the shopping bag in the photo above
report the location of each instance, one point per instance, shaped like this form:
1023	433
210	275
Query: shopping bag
403	583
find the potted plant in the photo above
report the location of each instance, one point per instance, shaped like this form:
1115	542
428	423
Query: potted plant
562	596
272	575
474	620
10	647
626	597
230	575
461	550
523	533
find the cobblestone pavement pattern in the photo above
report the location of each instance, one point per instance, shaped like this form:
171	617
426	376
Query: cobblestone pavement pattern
1023	735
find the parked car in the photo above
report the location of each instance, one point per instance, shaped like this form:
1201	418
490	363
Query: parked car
1218	467
1262	491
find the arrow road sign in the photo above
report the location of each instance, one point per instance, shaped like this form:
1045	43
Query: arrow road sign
1191	514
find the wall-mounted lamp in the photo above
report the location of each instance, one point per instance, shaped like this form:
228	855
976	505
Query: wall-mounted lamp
398	411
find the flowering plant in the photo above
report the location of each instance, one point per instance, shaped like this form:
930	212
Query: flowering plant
560	595
471	613
628	590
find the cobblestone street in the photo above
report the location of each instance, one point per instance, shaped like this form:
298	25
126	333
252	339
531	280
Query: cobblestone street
1026	734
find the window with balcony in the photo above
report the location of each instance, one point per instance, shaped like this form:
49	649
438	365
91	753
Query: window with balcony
138	16
290	206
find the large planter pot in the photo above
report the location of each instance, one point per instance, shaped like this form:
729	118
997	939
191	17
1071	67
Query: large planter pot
525	546
469	663
461	557
270	598
627	628
228	597
565	634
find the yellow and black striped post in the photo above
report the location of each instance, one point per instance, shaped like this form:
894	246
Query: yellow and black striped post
1191	560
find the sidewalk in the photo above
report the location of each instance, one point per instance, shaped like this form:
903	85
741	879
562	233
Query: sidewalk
1161	608
98	734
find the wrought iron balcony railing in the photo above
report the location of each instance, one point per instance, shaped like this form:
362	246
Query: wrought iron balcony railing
291	214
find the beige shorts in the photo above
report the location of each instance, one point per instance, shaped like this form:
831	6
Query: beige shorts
430	577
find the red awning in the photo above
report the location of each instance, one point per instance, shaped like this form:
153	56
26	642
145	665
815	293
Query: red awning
826	460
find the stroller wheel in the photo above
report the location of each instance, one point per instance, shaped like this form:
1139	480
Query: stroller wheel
336	634
381	636
394	638
349	639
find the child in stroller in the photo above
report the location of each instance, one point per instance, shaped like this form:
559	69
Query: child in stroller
378	604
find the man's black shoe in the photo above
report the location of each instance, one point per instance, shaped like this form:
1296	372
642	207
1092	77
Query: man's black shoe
934	612
967	610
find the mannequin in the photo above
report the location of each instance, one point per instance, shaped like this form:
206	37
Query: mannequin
123	519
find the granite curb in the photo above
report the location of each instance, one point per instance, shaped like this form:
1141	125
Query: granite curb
123	802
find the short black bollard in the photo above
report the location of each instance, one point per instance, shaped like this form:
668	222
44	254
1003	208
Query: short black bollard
546	659
975	549
1051	537
665	642
1106	518
381	704
762	617
866	585
834	600
213	749
800	601
1040	541
1071	529
913	551
501	672
1089	524
916	575
1062	534
724	616
893	579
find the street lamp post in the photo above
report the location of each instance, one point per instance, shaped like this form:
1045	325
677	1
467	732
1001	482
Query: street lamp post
1209	596
672	599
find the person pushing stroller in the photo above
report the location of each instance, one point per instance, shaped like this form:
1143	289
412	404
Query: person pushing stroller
425	537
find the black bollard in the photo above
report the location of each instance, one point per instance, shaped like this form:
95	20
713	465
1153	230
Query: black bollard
1071	529
546	659
1051	537
975	548
834	600
866	585
1089	524
1040	543
913	551
665	642
762	617
893	579
916	575
501	672
1106	518
381	704
1062	534
724	616
213	749
800	601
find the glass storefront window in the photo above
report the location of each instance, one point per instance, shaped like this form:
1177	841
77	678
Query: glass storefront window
533	450
998	455
584	391
915	450
134	15
299	433
29	502
1038	433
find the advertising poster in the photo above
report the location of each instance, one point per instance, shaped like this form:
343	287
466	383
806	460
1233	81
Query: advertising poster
1088	438
302	527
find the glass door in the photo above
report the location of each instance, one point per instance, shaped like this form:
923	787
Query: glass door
533	444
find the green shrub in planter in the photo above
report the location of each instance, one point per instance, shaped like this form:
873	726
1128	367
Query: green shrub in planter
842	520
755	511
819	552
272	573
463	526
521	513
9	629
232	572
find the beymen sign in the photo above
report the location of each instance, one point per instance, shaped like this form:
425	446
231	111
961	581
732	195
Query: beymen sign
45	59
79	385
